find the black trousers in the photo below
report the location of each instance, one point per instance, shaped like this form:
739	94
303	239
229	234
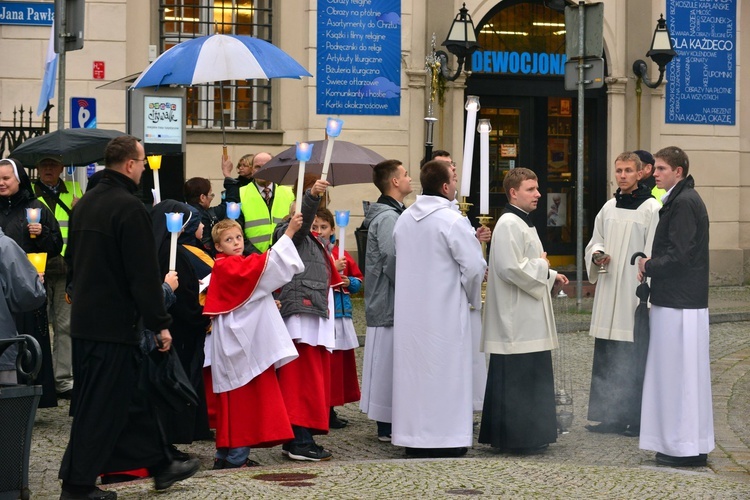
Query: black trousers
114	427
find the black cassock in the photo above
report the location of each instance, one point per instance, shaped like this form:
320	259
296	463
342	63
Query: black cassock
519	402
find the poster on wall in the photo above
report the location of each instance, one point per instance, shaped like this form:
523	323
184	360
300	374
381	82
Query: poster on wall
162	120
701	84
359	57
557	211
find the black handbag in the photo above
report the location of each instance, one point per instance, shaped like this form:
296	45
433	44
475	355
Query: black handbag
170	386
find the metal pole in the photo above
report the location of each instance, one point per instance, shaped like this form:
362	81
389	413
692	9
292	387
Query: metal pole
61	34
579	170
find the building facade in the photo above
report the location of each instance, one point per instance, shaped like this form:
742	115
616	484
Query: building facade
517	74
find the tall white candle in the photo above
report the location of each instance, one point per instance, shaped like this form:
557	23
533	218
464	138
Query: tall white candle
157	187
300	186
342	241
173	251
472	107
484	166
327	159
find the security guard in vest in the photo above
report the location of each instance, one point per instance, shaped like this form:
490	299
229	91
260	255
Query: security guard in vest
60	196
264	204
647	160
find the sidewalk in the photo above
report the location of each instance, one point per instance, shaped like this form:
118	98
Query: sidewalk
580	465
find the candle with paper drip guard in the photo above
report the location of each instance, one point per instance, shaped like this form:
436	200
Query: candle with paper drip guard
39	261
233	210
174	226
333	130
154	163
472	107
33	216
304	152
342	220
484	130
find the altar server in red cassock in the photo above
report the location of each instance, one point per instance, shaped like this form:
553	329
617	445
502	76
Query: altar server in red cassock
248	342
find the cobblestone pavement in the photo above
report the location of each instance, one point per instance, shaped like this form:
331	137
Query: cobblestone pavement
580	465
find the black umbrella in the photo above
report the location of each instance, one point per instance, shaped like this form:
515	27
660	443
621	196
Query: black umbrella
641	329
71	146
350	164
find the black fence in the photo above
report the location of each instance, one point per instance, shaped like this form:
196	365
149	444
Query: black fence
12	136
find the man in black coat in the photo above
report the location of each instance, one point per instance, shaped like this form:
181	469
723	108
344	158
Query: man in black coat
116	291
677	415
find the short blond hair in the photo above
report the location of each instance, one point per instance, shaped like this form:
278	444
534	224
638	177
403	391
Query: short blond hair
222	226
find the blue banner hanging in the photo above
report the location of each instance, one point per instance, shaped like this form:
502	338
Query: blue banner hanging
359	57
702	85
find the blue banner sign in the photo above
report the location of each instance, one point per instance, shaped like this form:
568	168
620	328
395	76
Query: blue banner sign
359	57
27	13
702	78
525	63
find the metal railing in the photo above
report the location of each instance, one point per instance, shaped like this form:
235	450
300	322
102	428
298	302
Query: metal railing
12	136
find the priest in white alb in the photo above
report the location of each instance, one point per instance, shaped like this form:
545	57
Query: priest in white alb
519	328
439	273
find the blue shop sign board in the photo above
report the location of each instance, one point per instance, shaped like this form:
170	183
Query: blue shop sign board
359	57
518	63
702	86
27	13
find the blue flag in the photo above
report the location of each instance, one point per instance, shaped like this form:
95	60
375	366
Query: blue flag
50	72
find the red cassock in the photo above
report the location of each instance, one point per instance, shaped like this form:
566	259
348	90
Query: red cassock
254	414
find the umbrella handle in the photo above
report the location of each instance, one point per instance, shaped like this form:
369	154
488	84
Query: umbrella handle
224	153
636	255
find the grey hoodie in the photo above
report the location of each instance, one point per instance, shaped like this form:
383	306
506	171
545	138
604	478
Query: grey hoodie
380	264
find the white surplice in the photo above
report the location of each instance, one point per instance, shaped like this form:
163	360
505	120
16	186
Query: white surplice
620	233
439	272
518	316
248	340
677	411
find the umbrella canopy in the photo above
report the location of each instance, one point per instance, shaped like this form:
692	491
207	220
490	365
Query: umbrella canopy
216	58
350	164
71	146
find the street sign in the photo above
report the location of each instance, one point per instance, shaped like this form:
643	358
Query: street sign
593	27
593	74
82	112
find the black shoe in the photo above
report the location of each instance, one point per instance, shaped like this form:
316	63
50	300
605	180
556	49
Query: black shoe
219	463
448	452
176	471
246	463
65	394
531	450
336	422
693	461
417	452
177	454
632	431
95	494
310	452
607	428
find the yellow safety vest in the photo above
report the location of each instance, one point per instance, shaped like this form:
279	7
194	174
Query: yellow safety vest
658	193
259	223
60	214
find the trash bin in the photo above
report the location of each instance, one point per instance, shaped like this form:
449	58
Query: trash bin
18	405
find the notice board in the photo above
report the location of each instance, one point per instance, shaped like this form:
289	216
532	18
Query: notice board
359	57
701	86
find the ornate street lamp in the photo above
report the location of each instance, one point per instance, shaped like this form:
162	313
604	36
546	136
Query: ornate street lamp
662	52
461	42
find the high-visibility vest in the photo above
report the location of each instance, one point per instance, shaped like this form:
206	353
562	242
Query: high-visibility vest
259	221
658	193
60	214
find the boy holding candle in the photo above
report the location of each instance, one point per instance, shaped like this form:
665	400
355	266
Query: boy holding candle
248	342
306	306
344	383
